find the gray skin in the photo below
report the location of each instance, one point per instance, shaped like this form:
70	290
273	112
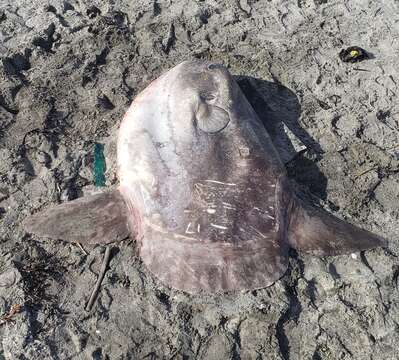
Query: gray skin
204	192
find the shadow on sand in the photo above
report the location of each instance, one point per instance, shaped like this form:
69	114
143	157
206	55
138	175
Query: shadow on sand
279	110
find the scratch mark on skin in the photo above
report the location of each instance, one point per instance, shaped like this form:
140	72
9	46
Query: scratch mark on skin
265	212
185	237
188	228
198	228
258	232
220	182
228	206
219	226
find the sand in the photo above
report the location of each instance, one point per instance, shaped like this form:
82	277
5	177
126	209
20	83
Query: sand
68	72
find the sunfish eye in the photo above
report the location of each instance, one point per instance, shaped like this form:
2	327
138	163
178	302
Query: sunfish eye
207	96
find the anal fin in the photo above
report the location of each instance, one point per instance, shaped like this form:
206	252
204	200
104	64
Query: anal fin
95	219
315	231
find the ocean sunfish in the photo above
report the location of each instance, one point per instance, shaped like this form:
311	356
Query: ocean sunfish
202	191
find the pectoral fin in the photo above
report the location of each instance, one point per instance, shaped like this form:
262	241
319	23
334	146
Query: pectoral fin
211	119
95	219
315	231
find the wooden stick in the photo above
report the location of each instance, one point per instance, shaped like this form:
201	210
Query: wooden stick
100	278
366	171
82	248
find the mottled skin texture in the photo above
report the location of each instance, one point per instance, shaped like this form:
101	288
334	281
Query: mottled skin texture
204	192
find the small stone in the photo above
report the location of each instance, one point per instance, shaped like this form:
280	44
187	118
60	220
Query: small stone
353	54
9	277
103	102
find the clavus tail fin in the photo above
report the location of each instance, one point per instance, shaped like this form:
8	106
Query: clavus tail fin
95	219
313	230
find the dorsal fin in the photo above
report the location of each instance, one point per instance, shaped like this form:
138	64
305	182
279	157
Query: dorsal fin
313	230
95	219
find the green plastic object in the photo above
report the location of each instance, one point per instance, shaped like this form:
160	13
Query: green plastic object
99	165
